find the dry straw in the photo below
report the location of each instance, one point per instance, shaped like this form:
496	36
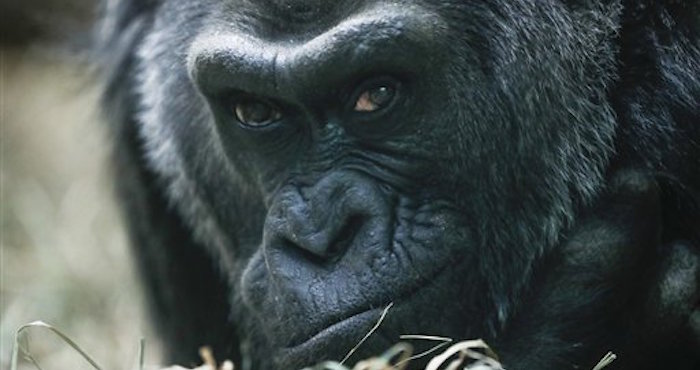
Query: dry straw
466	355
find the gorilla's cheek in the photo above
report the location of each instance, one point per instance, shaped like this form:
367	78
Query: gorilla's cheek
303	306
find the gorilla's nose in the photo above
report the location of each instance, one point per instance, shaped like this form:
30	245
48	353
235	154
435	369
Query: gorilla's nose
327	218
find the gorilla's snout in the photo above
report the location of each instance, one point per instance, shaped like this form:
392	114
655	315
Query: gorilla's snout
325	219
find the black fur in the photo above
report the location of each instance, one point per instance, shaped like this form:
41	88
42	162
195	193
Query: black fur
536	183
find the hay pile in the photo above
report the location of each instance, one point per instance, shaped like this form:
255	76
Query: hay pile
465	355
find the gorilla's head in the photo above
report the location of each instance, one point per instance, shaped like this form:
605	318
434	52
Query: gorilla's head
334	157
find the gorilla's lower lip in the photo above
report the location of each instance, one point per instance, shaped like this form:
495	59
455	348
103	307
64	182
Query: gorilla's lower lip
359	324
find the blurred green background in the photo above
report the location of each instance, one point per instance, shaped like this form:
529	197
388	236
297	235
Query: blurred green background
64	257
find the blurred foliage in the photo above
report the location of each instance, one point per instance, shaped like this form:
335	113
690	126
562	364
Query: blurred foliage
63	253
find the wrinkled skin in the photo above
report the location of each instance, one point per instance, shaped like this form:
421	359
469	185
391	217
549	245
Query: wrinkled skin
526	172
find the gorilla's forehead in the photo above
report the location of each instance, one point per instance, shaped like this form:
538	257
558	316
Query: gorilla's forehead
284	20
301	10
398	32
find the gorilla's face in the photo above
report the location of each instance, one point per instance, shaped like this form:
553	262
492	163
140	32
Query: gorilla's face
339	156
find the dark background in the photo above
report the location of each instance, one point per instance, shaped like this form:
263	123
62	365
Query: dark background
25	21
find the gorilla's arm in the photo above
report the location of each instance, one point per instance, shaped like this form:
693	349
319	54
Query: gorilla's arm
600	286
184	288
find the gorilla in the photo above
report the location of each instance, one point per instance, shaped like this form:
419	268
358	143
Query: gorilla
525	172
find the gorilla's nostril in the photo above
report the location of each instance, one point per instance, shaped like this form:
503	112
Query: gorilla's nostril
345	236
324	246
319	223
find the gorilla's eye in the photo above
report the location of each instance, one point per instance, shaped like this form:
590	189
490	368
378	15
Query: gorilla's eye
375	98
256	113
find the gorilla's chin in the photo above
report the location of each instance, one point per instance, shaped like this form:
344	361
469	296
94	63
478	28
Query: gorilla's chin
333	342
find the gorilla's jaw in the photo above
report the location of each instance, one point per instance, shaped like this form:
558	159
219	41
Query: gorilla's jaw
310	307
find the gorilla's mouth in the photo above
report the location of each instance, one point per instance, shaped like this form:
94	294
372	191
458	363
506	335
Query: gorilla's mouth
335	340
322	308
348	327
